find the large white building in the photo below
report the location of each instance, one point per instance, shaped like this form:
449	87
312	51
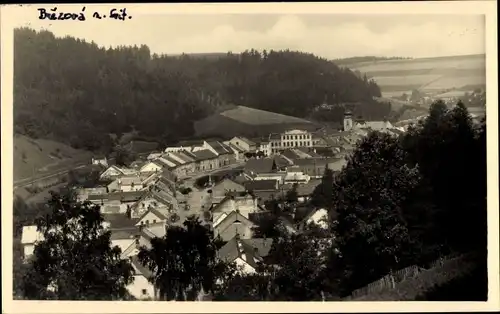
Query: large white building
290	139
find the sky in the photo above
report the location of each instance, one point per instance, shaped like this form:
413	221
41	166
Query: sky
327	35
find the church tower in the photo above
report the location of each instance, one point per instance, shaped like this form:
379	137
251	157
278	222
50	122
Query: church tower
347	121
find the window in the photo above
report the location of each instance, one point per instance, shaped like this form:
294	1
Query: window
147	222
144	292
154	221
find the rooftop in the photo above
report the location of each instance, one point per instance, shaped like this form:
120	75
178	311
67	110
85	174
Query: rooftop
204	154
261	185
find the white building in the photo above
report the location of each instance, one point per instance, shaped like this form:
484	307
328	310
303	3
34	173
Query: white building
290	139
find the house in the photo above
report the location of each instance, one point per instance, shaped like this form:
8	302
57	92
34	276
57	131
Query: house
246	253
290	154
206	160
141	288
285	221
190	146
221	189
238	152
244	204
153	199
113	172
154	155
126	184
263	190
149	179
256	166
186	163
137	164
167	162
151	167
121	226
141	147
275	143
228	225
224	153
243	143
116	202
82	194
304	191
100	160
315	167
305	152
261	185
155	219
29	238
316	216
295	175
265	147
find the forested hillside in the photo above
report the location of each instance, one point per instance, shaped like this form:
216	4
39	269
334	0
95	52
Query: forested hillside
76	92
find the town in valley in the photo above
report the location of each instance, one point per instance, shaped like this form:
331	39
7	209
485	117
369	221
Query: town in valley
257	175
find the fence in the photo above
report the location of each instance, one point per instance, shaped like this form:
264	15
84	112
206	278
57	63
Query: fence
391	280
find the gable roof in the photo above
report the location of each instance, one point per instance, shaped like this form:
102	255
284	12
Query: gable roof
228	183
185	159
235	148
160	212
241	179
249	250
129	180
290	154
231	218
220	148
187	156
140	269
204	154
112	167
280	161
308	188
262	165
246	141
119	221
261	185
171	162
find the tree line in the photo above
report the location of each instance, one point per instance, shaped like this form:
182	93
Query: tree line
77	92
399	201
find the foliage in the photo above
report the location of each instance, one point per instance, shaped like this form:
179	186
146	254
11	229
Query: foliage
411	200
451	154
322	195
124	157
75	260
294	270
127	89
184	261
369	225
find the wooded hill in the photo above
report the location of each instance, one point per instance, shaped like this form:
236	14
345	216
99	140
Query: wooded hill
75	92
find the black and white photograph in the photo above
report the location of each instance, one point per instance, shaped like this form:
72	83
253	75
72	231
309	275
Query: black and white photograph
161	154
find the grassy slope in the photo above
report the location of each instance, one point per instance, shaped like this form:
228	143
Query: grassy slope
43	156
249	122
429	74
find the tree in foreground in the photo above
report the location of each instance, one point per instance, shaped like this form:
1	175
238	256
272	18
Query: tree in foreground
75	261
184	262
369	194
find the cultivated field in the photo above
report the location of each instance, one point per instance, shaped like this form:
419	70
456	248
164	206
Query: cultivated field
432	75
249	122
39	156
